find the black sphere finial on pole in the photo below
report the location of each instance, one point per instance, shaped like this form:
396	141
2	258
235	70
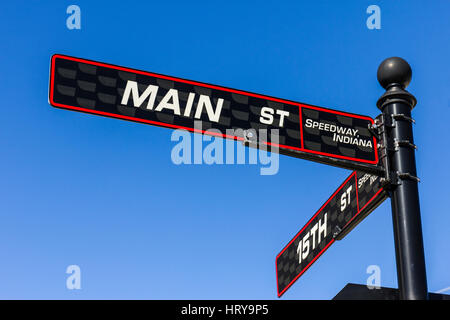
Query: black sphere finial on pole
393	71
394	75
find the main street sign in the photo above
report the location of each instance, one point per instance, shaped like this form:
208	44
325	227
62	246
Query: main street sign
359	195
296	129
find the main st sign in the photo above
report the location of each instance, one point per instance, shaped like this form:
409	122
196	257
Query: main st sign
292	128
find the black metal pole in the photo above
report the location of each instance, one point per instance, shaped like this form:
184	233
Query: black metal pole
394	74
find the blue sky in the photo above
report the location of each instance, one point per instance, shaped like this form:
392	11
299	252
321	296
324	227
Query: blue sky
104	194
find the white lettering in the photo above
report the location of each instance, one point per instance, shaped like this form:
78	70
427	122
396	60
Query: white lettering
204	101
322	228
282	115
132	87
165	103
190	101
266	115
305	245
313	233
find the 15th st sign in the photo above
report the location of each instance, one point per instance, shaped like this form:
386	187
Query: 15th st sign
303	131
357	196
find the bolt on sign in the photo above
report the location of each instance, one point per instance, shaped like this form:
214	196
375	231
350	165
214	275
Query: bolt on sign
358	196
296	129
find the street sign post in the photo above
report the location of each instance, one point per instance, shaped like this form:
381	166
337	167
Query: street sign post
394	75
295	129
355	198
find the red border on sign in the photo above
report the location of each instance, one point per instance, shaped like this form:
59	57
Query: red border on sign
298	233
357	197
368	202
206	85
